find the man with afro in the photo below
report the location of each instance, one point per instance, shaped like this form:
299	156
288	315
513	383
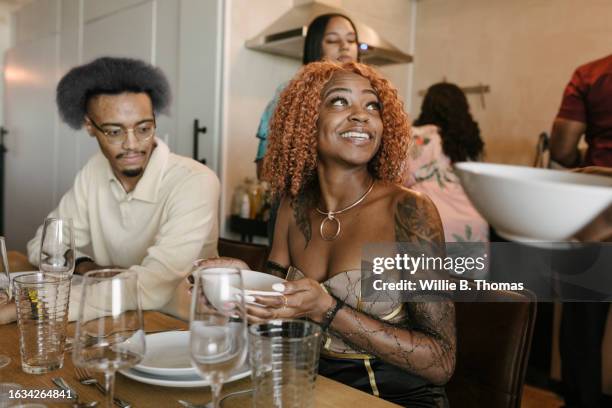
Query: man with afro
134	204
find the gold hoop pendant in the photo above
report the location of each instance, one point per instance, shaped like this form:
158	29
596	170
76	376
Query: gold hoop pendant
329	218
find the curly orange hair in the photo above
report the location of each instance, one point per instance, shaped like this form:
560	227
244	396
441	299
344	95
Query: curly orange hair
291	160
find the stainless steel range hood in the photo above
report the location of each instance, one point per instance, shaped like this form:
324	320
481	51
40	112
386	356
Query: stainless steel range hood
286	36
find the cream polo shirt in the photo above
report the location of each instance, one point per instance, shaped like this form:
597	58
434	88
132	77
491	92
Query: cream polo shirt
163	225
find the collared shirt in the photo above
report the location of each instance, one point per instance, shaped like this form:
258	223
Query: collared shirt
158	229
588	99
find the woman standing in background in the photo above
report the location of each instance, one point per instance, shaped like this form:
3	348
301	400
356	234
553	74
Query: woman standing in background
330	37
446	133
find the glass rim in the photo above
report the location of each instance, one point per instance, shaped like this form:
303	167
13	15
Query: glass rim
11	385
63	219
46	279
105	274
317	332
216	270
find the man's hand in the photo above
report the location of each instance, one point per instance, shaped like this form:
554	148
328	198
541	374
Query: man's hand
85	267
564	140
600	229
8	313
596	170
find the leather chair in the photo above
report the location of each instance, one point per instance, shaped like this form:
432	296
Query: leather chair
493	342
254	255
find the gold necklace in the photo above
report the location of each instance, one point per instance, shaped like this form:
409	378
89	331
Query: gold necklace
330	216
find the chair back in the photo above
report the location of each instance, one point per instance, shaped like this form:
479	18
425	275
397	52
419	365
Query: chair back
493	342
18	262
254	255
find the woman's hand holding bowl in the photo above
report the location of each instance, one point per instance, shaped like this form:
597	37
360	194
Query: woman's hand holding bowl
300	298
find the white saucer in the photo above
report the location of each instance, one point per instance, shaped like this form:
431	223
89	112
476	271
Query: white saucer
189	381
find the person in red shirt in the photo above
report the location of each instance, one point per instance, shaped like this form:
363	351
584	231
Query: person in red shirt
586	109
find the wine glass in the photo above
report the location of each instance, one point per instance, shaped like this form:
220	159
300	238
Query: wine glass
218	328
57	247
5	291
109	331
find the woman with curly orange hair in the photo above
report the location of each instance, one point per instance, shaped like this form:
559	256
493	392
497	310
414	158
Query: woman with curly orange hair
337	142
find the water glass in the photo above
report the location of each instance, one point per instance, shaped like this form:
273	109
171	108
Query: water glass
7	390
57	254
5	290
218	338
284	357
110	329
42	315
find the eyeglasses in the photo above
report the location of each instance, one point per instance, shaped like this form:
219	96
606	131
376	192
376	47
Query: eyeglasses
119	134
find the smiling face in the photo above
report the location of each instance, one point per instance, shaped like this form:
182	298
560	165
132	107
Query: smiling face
350	125
339	41
127	110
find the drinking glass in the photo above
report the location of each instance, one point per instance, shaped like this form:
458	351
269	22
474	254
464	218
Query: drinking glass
42	316
5	291
284	356
109	332
218	340
57	247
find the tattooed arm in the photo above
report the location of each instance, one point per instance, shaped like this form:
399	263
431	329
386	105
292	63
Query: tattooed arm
427	347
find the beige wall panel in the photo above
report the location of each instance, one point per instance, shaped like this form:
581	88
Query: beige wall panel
524	50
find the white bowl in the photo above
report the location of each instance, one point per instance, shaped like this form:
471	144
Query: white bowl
259	283
534	205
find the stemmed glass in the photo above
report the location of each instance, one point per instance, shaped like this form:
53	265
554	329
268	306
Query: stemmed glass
109	333
218	340
5	291
57	248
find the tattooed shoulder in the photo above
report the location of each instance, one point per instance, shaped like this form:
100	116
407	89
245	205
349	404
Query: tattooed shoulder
417	219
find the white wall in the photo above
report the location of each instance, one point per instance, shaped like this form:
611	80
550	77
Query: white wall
525	50
5	43
252	77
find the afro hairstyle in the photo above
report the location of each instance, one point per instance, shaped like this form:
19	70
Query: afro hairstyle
112	76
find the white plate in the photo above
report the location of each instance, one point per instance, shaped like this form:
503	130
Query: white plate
189	381
167	355
259	283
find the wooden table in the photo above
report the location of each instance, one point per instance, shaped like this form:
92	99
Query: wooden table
329	393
